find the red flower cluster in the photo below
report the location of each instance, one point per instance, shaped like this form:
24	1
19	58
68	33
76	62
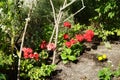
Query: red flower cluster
28	53
66	36
79	37
48	46
73	41
88	35
67	24
70	43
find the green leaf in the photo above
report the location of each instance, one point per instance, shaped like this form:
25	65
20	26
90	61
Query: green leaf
111	15
65	61
63	56
2	76
118	32
68	50
72	58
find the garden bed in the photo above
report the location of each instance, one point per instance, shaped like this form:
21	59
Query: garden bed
87	66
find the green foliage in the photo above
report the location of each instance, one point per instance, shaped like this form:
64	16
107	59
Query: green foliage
10	24
12	17
41	72
34	70
71	54
2	76
105	74
118	32
107	18
104	33
5	60
116	73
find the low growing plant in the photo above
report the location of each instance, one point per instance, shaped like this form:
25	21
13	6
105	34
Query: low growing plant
105	74
71	54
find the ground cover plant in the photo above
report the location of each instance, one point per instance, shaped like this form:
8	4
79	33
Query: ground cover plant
107	73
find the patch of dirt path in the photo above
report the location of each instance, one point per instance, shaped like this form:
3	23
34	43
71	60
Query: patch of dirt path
87	66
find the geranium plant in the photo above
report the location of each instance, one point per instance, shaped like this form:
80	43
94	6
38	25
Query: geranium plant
73	44
33	64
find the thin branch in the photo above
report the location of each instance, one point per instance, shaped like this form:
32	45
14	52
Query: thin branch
83	6
22	42
54	15
74	14
67	4
53	9
82	3
59	16
56	37
52	35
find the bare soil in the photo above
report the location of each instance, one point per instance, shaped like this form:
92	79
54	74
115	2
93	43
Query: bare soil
87	66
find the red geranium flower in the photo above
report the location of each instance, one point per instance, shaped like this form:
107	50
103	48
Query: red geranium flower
31	55
66	36
73	41
90	32
51	46
79	37
68	44
67	24
27	50
36	56
26	55
89	35
43	45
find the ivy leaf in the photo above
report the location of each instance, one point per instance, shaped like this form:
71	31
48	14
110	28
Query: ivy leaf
72	58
